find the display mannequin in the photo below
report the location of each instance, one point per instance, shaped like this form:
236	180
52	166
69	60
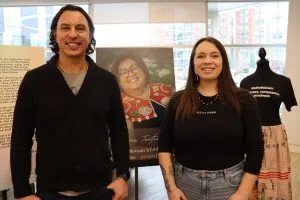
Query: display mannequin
270	90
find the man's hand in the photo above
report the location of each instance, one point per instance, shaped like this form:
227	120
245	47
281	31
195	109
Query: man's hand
120	188
31	197
176	194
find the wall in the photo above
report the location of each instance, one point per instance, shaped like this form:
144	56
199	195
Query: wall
291	119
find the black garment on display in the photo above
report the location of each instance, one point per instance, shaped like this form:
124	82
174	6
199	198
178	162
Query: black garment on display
270	90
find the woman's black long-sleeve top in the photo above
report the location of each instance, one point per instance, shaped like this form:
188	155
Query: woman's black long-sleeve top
216	137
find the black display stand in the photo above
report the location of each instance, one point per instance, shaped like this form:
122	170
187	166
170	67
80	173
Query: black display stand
4	194
136	182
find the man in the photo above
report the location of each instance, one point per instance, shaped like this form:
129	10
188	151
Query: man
73	107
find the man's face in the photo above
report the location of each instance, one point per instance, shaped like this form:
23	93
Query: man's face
72	34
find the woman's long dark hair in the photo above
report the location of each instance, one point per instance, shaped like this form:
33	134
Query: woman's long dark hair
227	90
53	44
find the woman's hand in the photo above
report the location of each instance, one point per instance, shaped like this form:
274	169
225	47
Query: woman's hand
30	197
245	188
239	196
176	194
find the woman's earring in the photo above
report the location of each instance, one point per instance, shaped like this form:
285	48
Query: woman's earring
197	77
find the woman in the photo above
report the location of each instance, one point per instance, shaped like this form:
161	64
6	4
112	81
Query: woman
209	127
144	103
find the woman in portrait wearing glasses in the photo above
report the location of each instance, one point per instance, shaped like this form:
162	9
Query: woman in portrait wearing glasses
144	103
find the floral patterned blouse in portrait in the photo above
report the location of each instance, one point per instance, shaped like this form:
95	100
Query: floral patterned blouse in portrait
139	109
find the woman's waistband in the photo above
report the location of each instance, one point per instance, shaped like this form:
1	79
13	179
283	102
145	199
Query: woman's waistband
221	172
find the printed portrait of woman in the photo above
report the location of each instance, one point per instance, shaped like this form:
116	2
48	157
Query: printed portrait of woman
144	102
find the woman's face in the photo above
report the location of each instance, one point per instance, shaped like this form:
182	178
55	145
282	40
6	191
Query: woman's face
131	76
208	62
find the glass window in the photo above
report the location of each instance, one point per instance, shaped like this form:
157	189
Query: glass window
245	27
243	60
27	26
232	21
144	34
181	65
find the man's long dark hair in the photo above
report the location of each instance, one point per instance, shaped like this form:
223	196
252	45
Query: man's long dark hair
53	43
227	90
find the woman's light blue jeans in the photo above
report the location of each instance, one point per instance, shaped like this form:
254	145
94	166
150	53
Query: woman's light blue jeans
208	185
